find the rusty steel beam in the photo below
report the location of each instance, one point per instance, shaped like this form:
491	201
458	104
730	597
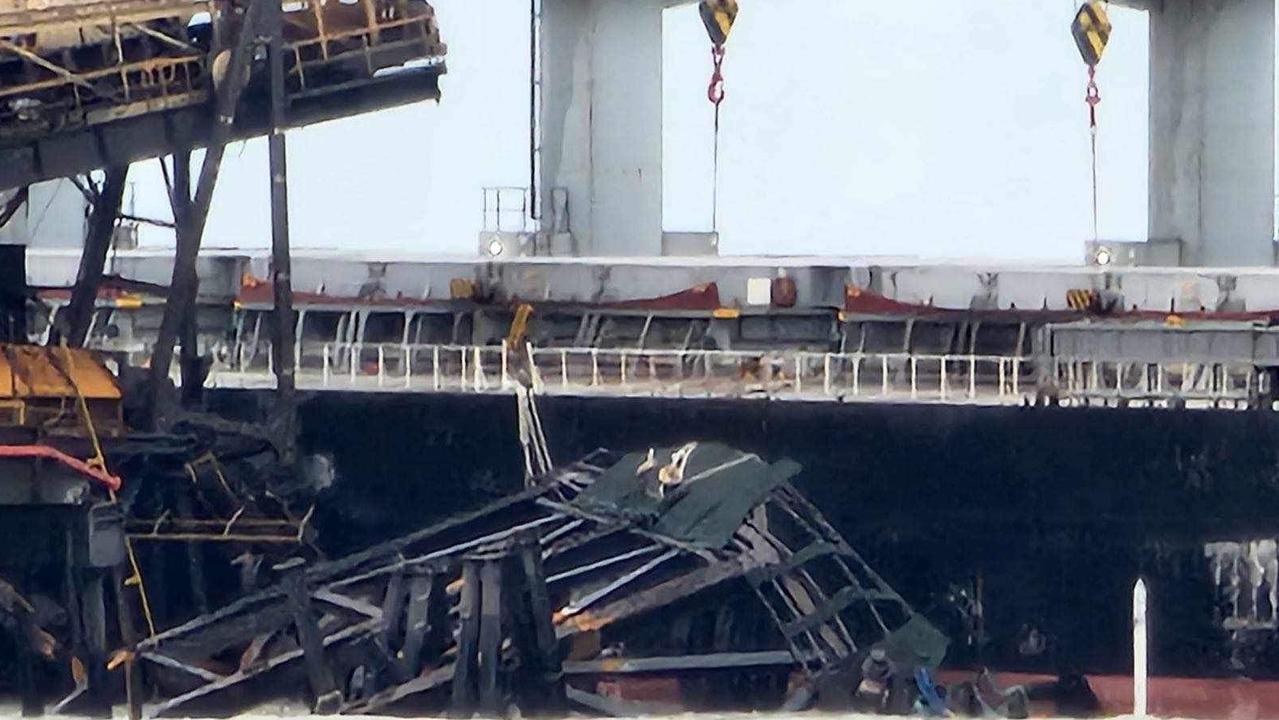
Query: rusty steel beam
680	663
468	640
545	684
93	618
493	596
84	296
180	202
310	637
126	609
423	591
185	283
281	262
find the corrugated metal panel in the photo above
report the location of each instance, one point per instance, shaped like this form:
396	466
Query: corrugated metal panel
28	371
93	378
6	377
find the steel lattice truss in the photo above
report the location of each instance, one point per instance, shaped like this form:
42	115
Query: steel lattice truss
402	621
67	66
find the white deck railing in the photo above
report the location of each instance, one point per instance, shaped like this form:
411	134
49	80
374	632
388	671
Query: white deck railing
1144	383
797	375
985	379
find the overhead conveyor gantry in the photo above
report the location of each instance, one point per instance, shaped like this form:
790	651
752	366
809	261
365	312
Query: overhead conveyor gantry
88	85
92	84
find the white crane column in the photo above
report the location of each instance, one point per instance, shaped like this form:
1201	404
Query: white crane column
1212	139
601	121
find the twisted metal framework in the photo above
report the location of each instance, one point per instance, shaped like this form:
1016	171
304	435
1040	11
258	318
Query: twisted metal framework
404	622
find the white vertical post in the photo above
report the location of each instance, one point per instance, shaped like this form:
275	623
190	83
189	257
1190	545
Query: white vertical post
563	368
435	367
941	384
1139	649
826	374
381	365
914	388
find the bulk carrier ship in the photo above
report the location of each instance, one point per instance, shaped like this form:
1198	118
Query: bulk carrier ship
987	456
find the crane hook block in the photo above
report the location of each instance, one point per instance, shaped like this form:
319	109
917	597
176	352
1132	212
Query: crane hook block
1091	30
718	16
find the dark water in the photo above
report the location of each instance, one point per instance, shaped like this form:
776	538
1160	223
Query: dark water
1052	512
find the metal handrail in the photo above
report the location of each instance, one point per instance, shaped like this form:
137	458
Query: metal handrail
782	373
1112	379
776	374
654	372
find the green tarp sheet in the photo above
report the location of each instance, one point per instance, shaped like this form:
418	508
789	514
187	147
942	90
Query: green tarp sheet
719	488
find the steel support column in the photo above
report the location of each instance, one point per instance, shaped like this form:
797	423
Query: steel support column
94	621
124	607
185	283
281	262
309	636
1212	130
189	348
97	243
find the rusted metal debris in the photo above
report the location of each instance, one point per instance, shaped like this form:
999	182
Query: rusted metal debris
37	384
697	559
93	513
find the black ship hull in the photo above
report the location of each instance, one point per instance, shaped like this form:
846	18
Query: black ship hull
1019	530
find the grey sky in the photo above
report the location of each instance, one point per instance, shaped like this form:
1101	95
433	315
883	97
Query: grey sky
850	127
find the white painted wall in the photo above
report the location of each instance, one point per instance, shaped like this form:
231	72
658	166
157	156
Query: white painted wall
602	121
1212	131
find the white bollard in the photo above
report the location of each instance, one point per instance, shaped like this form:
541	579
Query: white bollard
1139	649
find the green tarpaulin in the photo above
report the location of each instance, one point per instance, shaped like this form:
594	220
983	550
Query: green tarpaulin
717	488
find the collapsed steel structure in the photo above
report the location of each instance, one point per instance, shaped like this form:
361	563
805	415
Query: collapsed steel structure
694	558
91	510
